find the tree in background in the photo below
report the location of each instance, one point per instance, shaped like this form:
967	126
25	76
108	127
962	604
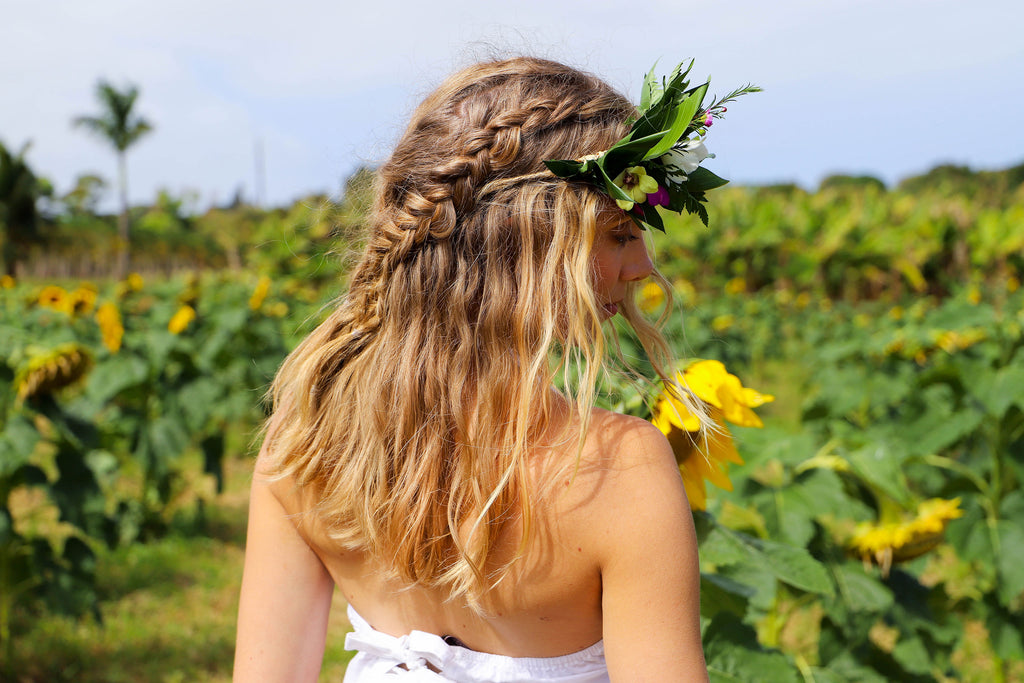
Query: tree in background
19	219
121	127
84	198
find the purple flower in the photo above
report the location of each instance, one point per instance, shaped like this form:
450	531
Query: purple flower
708	120
659	198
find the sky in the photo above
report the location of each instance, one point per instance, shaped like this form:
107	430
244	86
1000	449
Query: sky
316	88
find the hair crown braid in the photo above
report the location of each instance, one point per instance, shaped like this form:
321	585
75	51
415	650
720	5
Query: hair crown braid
410	413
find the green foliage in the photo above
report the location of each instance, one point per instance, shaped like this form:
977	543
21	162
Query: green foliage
19	190
111	455
903	404
894	352
853	240
847	182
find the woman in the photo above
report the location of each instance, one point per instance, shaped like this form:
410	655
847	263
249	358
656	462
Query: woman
482	524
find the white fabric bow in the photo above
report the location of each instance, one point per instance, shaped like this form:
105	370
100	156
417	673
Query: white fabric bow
409	657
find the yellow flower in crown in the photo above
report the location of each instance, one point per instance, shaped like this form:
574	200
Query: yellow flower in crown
635	182
703	446
185	315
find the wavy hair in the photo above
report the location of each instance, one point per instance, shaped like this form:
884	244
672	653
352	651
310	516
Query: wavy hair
410	413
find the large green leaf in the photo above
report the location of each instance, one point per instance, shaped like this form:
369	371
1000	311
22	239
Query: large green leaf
168	439
1010	561
939	428
791	565
77	493
794	566
969	535
819	675
860	590
621	155
912	655
681	119
200	401
881	464
719	593
733	653
17	442
702	180
850	669
115	374
1000	389
722	547
1005	629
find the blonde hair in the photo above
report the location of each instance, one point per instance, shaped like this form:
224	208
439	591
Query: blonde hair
409	415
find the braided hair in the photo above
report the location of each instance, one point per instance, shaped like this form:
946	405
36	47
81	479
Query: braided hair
409	414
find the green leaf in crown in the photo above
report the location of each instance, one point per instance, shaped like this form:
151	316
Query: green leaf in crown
657	163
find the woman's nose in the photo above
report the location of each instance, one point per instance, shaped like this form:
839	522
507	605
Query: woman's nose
638	263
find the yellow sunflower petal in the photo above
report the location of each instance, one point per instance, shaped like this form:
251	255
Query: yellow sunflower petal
693	484
721	447
674	413
738	414
703	379
753	398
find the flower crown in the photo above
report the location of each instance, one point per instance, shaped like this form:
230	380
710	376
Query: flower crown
657	163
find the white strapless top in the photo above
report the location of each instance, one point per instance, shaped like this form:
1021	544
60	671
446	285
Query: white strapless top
426	657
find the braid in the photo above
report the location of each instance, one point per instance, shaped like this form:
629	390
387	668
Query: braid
450	158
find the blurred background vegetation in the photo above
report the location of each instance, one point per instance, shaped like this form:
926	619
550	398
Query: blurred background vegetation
887	322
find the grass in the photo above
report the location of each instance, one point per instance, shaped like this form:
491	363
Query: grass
168	608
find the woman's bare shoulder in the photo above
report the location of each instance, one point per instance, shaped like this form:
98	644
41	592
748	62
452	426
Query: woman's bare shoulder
624	441
268	469
622	458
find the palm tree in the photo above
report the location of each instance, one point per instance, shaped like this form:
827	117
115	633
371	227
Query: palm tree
121	127
19	189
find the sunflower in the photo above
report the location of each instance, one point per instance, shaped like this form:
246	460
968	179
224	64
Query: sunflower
48	371
132	283
703	446
80	301
259	293
185	315
53	297
109	320
716	386
898	540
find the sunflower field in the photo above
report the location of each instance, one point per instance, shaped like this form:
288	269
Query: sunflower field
858	351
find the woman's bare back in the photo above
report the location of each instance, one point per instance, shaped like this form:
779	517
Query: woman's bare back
550	604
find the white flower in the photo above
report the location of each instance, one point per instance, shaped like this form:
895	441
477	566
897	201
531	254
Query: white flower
586	159
684	158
